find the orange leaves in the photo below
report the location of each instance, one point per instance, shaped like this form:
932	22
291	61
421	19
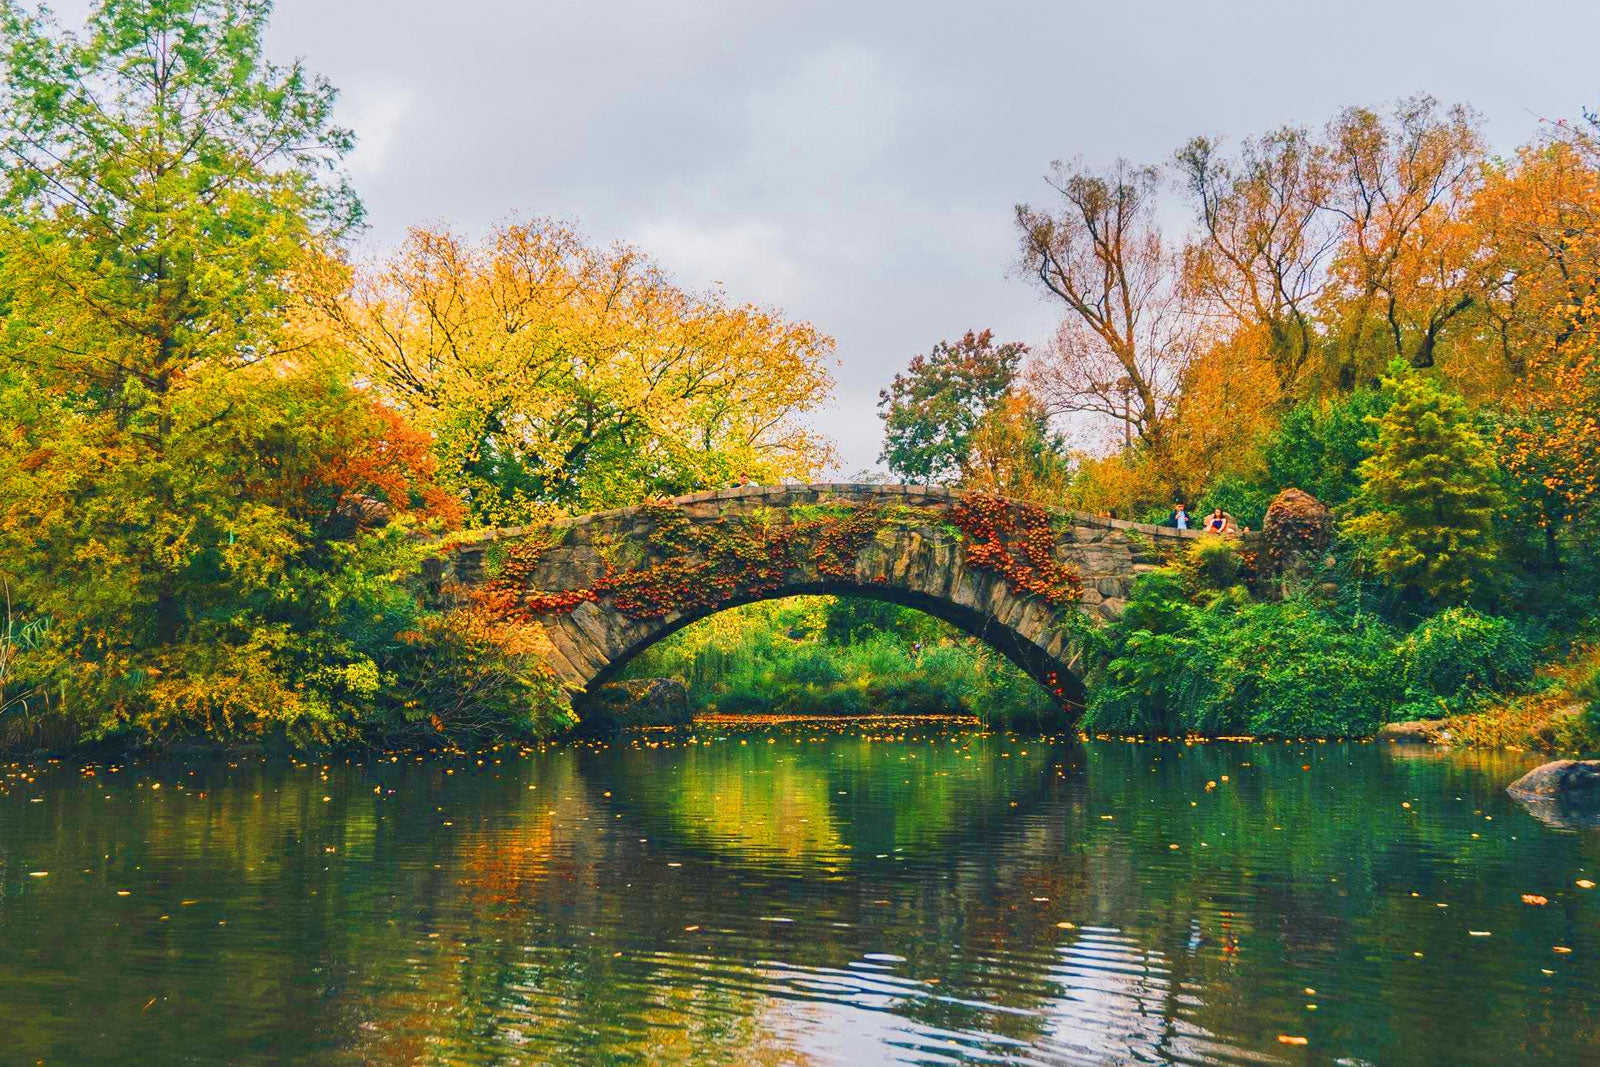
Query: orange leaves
1016	540
389	461
693	565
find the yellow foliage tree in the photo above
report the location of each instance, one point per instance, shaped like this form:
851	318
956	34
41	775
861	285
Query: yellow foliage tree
554	373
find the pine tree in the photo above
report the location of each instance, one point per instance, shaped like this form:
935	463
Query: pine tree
1429	497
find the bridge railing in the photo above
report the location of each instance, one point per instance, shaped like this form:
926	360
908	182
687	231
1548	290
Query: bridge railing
853	489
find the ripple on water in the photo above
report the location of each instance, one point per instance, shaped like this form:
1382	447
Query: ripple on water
849	895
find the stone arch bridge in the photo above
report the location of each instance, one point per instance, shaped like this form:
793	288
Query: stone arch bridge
606	586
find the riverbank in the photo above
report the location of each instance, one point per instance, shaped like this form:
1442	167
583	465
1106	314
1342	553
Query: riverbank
1561	716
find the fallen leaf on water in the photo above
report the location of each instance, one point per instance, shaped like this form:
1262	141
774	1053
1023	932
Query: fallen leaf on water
1534	899
1562	949
1480	933
1290	1039
1584	883
38	874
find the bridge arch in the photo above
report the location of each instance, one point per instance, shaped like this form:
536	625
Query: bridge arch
1022	578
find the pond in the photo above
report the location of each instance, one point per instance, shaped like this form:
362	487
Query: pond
815	892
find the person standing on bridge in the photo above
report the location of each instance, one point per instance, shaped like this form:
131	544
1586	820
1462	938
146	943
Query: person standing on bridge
1180	517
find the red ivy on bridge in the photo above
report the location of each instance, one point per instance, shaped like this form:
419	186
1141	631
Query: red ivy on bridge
1017	540
706	564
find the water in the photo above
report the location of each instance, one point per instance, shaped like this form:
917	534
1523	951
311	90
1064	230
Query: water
799	894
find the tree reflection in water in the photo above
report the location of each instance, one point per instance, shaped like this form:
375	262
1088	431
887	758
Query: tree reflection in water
812	893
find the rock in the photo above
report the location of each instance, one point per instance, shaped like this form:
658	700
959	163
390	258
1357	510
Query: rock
1296	530
634	703
1562	779
1416	731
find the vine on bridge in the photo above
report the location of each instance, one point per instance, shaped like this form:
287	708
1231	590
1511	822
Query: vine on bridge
1017	541
697	565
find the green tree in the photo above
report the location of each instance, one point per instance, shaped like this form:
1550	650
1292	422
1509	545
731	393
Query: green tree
1429	493
190	491
932	410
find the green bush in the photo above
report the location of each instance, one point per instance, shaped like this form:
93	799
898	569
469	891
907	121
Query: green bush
1295	669
1457	656
1143	679
1213	563
1289	669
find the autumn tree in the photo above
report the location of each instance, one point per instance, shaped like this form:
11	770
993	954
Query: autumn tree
1226	406
1127	328
1540	216
554	373
1259	260
190	493
1013	451
1429	495
1405	270
931	410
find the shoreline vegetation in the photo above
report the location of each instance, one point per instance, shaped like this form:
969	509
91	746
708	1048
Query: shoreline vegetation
227	438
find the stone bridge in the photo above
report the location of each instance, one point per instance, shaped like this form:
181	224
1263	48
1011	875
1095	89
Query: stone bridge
606	586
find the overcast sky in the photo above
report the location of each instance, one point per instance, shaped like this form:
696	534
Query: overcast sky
856	163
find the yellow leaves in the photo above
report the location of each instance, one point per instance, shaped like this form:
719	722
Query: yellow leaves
540	349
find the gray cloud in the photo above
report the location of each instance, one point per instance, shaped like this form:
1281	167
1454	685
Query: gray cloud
856	163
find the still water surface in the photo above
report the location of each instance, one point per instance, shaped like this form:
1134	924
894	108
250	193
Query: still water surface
810	893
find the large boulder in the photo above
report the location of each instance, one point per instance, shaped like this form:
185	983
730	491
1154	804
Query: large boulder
1561	780
634	703
1296	531
1564	794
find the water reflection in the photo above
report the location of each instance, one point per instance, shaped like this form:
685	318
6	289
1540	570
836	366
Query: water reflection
808	894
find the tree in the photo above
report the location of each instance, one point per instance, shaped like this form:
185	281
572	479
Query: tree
1013	452
1262	253
1405	269
1226	404
552	373
1429	498
931	411
190	493
1539	217
1128	328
